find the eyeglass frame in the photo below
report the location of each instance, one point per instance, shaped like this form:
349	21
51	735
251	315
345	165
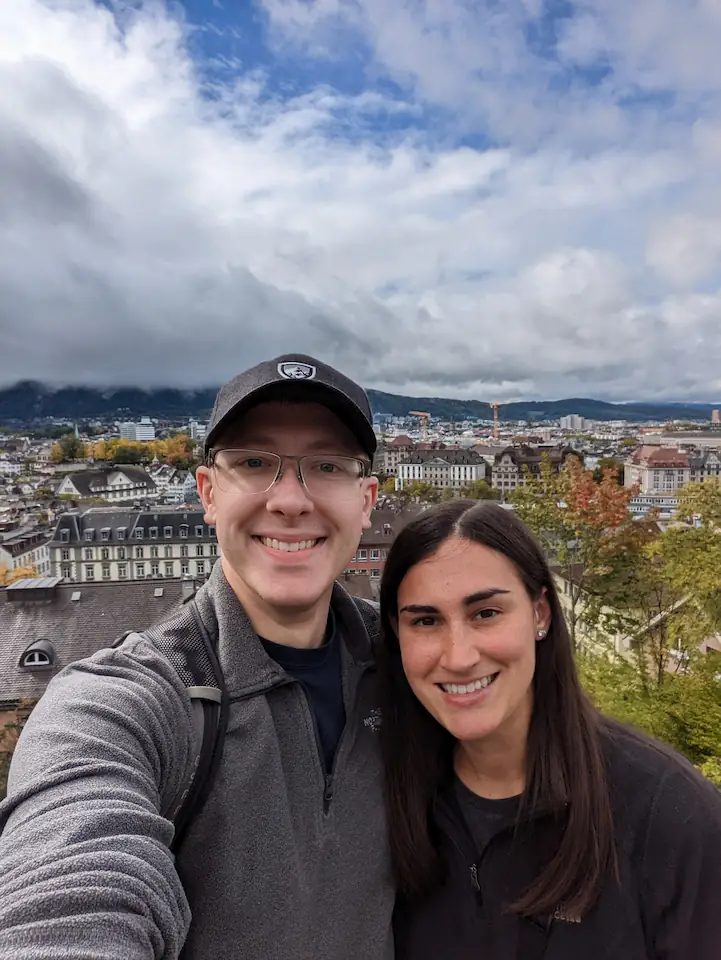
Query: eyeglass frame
211	457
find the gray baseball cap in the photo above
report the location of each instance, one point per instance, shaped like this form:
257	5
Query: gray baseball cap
295	373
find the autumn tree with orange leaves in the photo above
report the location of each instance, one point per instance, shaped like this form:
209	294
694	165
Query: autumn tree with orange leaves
584	527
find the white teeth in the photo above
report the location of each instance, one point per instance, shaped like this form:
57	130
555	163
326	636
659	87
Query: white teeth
288	547
471	687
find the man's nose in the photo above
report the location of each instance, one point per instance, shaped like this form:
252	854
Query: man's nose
288	494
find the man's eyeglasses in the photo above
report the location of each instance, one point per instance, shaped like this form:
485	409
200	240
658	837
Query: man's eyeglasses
255	471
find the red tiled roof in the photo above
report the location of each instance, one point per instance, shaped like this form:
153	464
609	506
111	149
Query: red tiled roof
660	457
402	441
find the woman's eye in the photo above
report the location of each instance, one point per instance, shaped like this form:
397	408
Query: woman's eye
487	614
423	622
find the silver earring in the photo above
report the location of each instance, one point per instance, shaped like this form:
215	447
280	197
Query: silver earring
541	634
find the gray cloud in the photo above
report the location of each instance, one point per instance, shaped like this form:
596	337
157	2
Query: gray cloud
152	236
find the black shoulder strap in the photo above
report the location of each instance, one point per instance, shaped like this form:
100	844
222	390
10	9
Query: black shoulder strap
370	613
185	642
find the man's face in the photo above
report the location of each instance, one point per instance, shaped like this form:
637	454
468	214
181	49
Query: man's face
283	578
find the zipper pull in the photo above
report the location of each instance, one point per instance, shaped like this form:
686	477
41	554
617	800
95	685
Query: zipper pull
328	794
474	878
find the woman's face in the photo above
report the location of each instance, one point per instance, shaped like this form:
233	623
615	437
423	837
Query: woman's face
468	630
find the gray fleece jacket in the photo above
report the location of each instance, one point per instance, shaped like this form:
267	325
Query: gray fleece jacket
280	864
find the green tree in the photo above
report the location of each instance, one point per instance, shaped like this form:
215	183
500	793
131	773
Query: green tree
125	453
585	529
68	447
388	487
425	492
448	495
480	490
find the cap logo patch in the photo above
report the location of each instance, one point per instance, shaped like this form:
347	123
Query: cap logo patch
295	370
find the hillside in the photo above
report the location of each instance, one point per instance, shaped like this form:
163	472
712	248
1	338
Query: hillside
28	402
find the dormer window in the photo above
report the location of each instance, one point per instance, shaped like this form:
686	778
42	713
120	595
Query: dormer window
153	533
120	533
139	533
105	533
184	530
89	534
40	655
64	536
199	531
167	531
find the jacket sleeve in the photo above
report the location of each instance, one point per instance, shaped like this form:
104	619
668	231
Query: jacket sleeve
85	865
682	869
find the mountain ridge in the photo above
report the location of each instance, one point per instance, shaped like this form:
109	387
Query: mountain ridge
29	401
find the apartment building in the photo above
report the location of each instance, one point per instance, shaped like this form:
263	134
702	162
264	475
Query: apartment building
114	484
26	548
104	544
514	465
451	468
390	454
144	431
372	552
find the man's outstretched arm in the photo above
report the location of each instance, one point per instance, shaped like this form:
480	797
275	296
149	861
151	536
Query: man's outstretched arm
85	866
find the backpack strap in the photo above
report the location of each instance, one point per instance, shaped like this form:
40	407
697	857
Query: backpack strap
186	644
370	614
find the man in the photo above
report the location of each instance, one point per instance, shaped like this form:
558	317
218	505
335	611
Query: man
287	858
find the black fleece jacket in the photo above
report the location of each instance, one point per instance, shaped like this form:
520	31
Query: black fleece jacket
667	905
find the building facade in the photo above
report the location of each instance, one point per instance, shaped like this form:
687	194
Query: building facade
26	550
114	484
513	466
390	454
101	544
449	469
657	470
144	431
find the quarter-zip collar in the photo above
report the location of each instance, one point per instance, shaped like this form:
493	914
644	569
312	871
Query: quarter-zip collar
246	666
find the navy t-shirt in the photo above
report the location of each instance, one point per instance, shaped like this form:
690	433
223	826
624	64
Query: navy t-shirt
319	670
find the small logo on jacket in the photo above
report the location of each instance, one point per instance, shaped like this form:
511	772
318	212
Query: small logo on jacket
295	370
374	720
560	914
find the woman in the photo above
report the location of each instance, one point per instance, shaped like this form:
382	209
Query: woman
523	824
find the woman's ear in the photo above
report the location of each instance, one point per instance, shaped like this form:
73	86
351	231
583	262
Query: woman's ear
543	613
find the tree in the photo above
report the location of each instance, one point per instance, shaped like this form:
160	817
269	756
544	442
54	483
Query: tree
68	447
585	529
388	487
8	576
609	463
629	442
480	490
448	495
128	452
425	492
9	734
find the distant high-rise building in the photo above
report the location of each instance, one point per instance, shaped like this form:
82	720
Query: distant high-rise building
197	431
573	422
143	431
716	416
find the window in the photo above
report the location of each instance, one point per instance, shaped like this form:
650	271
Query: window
168	551
122	571
213	550
88	553
184	530
90	573
168	569
183	551
167	531
199	531
199	550
155	569
66	554
105	554
153	552
201	566
89	534
106	571
120	533
139	533
375	554
139	569
105	533
211	531
153	533
64	536
121	553
36	658
139	553
67	571
184	567
362	554
375	574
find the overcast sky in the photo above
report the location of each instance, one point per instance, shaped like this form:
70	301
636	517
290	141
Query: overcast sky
468	198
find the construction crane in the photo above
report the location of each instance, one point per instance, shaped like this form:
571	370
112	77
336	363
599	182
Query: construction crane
425	417
496	431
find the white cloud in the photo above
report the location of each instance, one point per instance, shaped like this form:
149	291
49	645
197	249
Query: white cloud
154	234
